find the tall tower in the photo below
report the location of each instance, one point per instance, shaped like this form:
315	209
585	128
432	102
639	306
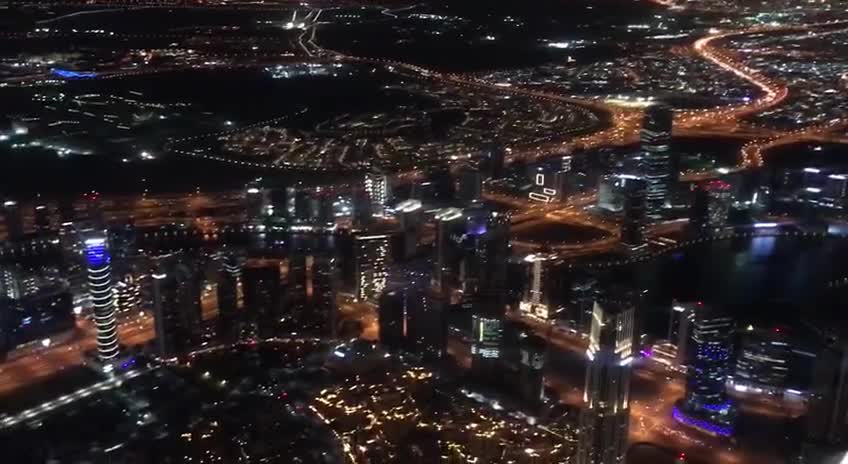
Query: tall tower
706	406
486	341
229	280
371	254
102	294
448	224
827	421
378	192
176	305
658	169
14	221
606	397
633	223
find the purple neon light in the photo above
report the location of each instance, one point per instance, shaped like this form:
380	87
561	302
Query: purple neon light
700	424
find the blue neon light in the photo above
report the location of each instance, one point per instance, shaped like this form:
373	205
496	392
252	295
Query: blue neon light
706	426
73	74
96	254
716	407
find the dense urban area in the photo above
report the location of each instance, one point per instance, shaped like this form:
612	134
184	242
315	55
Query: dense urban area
367	232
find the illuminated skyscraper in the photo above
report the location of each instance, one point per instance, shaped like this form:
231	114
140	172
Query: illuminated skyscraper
706	405
536	300
371	255
378	191
102	294
486	341
128	294
763	362
658	168
229	281
605	416
720	197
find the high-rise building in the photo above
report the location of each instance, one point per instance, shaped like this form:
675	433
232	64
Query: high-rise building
484	254
605	416
827	419
371	256
494	159
679	325
39	316
229	283
10	283
486	343
42	219
229	280
263	296
659	170
177	311
470	184
706	405
699	212
720	197
428	327
13	220
128	295
325	284
411	217
536	302
378	191
633	222
394	321
256	203
582	293
449	225
414	320
531	379
762	364
102	294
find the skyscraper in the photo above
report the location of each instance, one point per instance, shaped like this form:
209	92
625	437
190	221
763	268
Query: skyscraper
325	283
229	281
659	170
699	212
413	320
720	197
536	300
410	214
13	220
176	305
486	340
446	256
827	419
371	256
763	361
102	294
470	184
128	294
605	416
378	191
706	405
633	222
531	367
42	218
393	318
263	297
